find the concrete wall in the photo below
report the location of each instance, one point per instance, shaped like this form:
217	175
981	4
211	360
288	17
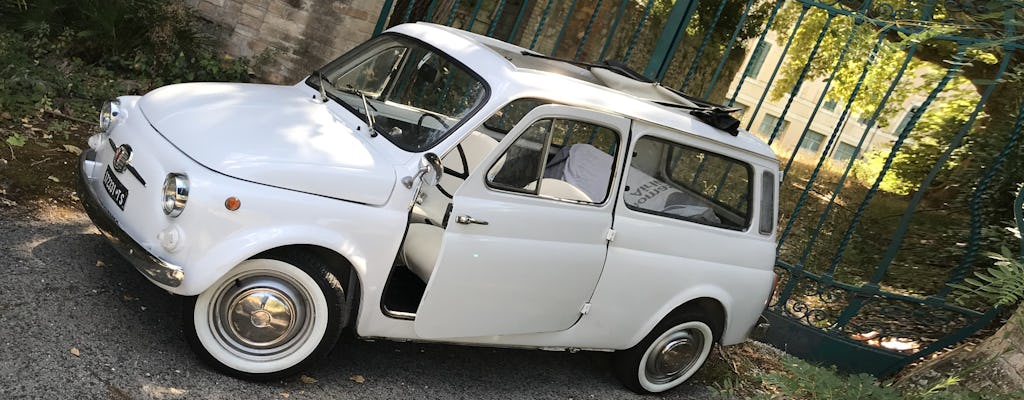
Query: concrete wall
301	35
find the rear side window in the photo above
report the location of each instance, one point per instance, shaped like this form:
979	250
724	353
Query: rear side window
682	182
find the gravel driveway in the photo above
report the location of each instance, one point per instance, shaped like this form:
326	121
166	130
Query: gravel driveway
77	321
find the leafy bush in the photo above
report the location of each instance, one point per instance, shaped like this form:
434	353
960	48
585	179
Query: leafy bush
805	381
1002	284
66	57
162	40
32	80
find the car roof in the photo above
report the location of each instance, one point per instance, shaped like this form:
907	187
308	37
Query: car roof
510	73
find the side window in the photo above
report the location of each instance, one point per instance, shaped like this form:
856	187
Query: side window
560	159
683	182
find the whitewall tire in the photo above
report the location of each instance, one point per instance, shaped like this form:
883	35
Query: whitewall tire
670	354
267	318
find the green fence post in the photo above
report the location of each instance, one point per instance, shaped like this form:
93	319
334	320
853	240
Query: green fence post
670	37
385	10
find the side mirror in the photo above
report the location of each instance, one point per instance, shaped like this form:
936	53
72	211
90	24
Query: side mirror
432	163
430	171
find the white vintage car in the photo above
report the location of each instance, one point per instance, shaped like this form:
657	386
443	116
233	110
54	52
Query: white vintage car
436	185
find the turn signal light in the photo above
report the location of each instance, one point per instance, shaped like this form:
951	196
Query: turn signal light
232	203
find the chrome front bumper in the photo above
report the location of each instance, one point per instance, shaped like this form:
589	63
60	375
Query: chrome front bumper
154	268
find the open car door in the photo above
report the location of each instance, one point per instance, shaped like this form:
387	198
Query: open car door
526	239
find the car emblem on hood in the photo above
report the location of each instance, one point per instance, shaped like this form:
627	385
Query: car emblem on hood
122	157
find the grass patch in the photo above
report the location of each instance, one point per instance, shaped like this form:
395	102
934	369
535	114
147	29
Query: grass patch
753	370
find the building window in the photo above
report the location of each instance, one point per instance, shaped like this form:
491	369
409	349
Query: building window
743	110
812	141
831	105
862	120
906	119
757	60
768	125
844	152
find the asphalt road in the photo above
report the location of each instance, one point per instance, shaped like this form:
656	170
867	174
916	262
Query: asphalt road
77	321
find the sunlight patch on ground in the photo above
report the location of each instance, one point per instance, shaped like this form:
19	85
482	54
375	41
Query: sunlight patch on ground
163	392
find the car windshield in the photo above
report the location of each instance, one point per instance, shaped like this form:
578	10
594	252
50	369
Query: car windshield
416	96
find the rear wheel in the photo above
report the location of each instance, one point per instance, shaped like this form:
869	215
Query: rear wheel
674	350
268	317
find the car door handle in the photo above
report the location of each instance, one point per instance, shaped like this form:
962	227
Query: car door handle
465	220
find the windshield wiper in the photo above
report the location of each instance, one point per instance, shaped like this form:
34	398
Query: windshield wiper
323	90
366	106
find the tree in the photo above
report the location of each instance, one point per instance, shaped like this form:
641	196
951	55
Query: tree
989	26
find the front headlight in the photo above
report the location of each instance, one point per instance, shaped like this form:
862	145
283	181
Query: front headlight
108	114
175	194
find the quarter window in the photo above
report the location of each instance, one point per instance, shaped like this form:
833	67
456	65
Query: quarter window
687	183
767	223
506	118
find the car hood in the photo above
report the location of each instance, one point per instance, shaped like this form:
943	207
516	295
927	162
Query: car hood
273	135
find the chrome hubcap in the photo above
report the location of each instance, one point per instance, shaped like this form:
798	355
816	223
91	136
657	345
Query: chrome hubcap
261	314
261	317
674	355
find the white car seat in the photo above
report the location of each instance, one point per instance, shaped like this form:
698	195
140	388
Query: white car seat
422	244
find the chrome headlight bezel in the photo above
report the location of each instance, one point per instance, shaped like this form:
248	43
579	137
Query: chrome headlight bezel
175	194
108	114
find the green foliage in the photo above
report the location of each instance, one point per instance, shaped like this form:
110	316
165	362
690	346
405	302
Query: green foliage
930	137
34	76
161	40
16	140
69	56
805	381
884	64
1002	284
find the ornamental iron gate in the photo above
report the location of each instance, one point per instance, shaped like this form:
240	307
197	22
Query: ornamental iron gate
898	123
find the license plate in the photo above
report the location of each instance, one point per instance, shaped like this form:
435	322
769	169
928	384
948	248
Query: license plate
115	189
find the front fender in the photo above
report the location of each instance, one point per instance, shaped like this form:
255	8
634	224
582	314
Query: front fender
220	259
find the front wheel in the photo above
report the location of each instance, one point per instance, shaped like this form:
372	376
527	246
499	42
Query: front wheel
674	350
267	318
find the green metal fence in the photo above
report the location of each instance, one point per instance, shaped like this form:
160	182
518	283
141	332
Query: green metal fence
877	218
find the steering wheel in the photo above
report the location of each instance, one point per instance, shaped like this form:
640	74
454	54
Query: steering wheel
419	123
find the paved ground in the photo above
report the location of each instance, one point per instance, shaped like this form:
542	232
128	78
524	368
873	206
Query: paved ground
56	301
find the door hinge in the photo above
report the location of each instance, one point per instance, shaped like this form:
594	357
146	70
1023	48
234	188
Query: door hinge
609	235
585	309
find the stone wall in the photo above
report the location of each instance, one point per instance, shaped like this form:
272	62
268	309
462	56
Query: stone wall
301	35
